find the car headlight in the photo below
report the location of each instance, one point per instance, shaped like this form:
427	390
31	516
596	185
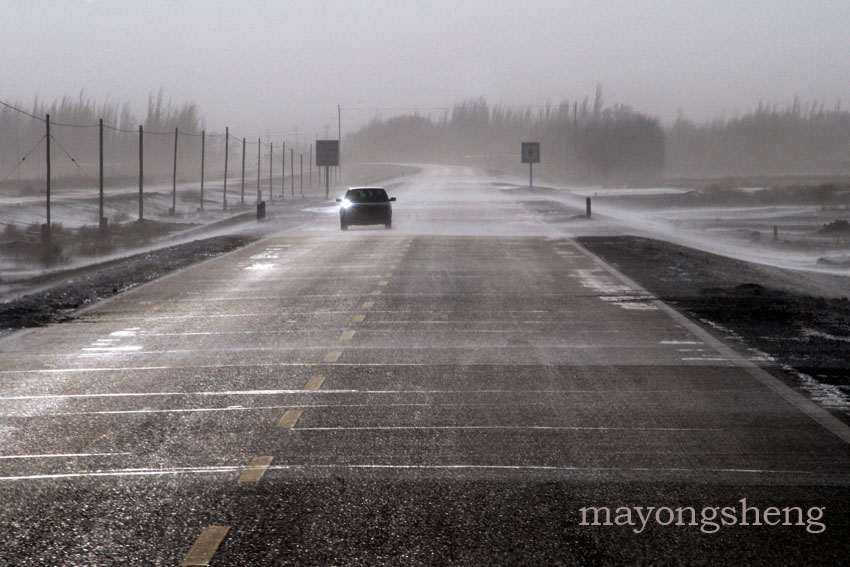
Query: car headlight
345	203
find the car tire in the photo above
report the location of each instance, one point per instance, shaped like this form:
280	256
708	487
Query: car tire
343	225
389	224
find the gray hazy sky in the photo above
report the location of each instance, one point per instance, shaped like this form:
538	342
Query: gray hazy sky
261	66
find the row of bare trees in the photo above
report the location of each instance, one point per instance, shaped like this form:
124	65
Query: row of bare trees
74	129
800	139
590	142
580	140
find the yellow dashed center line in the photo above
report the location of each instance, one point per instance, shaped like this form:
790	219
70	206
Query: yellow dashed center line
358	318
376	292
202	551
388	275
255	470
368	304
346	335
332	356
290	418
383	283
314	383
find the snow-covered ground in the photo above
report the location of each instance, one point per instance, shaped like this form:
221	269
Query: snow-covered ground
743	232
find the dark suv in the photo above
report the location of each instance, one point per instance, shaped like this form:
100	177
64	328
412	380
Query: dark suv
365	205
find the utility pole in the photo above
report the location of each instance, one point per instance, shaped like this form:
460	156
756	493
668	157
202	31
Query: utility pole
45	236
226	152
174	177
271	171
141	173
259	149
575	136
339	137
301	183
292	170
203	155
283	172
310	167
100	222
242	202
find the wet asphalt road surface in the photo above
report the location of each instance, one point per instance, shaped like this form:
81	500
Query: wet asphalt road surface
452	391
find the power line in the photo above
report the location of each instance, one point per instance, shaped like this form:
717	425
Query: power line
16	109
23	159
70	157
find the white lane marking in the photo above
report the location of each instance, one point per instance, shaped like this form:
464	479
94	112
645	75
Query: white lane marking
360	318
560	468
131	332
626	296
112	345
128	472
160	411
316	313
228	333
412	294
282	365
220	350
682	342
112	349
63	455
502	427
842	475
361	392
294	406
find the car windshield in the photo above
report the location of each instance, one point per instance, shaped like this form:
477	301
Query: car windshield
367	196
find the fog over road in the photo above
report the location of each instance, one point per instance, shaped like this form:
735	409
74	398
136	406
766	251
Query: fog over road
452	391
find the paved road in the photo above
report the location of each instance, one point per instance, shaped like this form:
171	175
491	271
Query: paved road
453	391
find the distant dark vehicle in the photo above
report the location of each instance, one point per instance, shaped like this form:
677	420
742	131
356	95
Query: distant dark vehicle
365	205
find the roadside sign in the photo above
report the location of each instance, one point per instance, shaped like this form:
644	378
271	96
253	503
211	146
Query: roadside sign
531	152
327	153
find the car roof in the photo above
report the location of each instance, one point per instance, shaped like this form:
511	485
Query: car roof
364	187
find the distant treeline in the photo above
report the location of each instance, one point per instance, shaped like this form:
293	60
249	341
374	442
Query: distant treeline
798	140
74	129
588	142
584	140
